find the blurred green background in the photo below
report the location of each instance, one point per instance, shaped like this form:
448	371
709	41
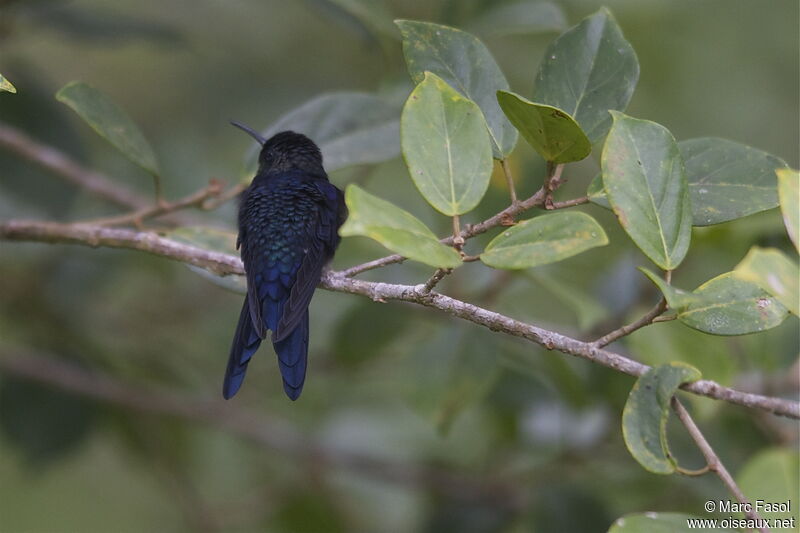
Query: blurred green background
456	428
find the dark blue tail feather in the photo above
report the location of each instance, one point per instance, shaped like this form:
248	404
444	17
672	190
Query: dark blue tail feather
292	353
245	343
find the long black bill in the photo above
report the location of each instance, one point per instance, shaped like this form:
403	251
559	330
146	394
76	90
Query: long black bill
253	133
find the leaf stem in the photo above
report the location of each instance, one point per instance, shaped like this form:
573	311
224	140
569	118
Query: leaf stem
509	180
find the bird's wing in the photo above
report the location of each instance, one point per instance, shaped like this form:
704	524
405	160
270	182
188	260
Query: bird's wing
320	243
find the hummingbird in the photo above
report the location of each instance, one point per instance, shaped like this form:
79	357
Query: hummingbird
289	219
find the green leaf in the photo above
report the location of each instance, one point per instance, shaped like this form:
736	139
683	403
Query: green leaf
728	180
596	192
464	63
6	85
544	239
644	419
672	341
655	523
646	186
525	17
789	195
395	228
550	131
587	71
773	272
725	305
446	146
110	121
771	477
676	298
350	128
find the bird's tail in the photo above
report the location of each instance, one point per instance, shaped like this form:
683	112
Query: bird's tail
292	353
245	344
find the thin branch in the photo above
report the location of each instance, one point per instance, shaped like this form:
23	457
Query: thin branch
225	197
267	431
458	240
436	278
73	172
224	264
714	464
509	180
60	163
503	218
645	320
196	199
551	182
570	203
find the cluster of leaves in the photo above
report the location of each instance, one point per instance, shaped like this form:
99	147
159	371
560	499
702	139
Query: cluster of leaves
461	117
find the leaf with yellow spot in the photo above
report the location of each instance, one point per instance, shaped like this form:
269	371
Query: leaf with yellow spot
544	239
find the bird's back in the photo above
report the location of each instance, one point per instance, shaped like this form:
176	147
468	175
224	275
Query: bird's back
288	230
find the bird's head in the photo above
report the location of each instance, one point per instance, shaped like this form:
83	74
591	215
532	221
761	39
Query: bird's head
286	150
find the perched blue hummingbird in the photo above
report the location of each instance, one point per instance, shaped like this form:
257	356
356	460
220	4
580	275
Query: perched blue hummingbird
289	219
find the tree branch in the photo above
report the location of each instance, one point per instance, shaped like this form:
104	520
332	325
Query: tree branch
60	163
224	264
196	199
713	462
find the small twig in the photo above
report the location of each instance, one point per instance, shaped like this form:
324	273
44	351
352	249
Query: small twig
61	164
714	464
664	318
458	240
500	219
650	317
551	182
436	278
195	199
509	180
225	197
570	203
627	329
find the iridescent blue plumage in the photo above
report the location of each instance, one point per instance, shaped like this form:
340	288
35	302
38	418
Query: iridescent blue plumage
288	230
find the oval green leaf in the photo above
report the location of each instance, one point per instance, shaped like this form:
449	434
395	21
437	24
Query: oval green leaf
728	180
350	128
644	419
771	477
446	146
465	63
775	273
395	228
587	71
789	197
550	131
646	186
544	239
6	85
110	122
725	305
656	523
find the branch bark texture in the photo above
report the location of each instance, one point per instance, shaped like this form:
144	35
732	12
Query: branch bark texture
226	264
